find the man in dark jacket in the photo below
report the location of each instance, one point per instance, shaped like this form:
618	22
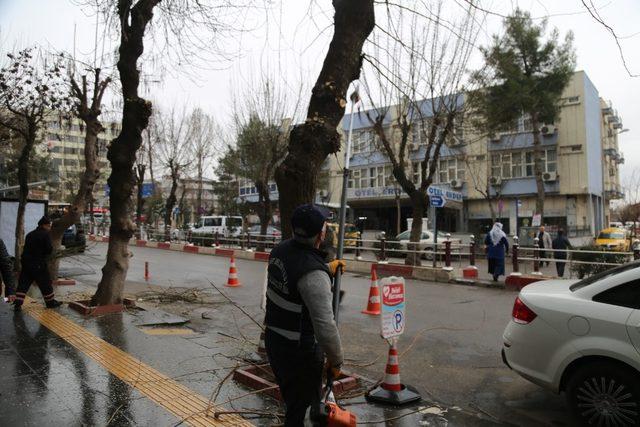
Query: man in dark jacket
36	252
299	317
560	242
6	269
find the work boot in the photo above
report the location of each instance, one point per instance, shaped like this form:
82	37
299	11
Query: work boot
53	304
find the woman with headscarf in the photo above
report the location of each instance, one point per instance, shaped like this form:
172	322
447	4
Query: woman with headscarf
497	248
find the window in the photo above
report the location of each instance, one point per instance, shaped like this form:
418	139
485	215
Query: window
212	222
516	165
551	160
599	276
364	178
506	165
363	141
417	132
415	172
521	164
625	295
354	179
495	165
450	169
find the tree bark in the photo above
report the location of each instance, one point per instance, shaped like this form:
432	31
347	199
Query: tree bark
418	204
122	151
85	191
199	191
23	182
171	201
538	166
264	212
311	142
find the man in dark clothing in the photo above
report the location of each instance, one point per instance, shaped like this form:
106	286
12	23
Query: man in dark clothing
36	252
561	242
6	269
299	317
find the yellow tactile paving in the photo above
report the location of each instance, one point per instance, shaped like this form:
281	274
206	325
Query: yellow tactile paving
188	406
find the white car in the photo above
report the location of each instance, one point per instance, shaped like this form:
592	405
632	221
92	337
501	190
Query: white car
582	338
426	242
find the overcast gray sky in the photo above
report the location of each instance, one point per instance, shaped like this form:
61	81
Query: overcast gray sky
291	38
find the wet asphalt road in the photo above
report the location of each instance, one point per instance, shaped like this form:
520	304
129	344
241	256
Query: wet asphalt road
449	352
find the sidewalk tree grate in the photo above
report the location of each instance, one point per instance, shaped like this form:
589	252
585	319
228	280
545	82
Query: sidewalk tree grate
191	408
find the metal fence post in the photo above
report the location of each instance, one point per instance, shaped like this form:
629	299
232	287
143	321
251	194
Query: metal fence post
248	241
472	250
447	252
514	256
383	254
536	256
216	241
358	246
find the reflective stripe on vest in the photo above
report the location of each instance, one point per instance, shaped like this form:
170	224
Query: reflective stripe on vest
283	303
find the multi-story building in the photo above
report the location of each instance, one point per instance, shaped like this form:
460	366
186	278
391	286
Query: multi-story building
580	161
65	143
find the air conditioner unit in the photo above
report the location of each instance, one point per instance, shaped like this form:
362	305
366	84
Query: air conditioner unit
548	129
549	176
456	183
495	181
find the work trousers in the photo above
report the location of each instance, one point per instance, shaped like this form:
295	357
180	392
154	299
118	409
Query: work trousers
298	372
38	274
560	264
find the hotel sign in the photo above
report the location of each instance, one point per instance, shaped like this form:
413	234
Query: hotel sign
386	192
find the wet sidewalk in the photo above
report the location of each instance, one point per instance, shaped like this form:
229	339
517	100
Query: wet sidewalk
61	369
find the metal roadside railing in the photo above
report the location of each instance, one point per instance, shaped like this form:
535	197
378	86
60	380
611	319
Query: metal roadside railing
447	254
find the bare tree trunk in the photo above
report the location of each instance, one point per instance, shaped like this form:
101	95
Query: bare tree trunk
171	202
310	143
199	193
122	151
85	191
139	200
264	212
23	194
538	166
418	202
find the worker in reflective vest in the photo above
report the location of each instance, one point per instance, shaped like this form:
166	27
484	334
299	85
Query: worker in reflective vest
299	317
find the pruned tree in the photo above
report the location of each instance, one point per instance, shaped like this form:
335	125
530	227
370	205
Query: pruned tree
32	86
312	141
203	146
171	131
185	30
525	73
263	119
87	94
418	72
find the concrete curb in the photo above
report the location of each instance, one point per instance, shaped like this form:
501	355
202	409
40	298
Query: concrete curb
437	274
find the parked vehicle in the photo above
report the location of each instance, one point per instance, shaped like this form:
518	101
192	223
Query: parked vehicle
74	237
582	338
426	242
272	232
615	239
351	234
208	226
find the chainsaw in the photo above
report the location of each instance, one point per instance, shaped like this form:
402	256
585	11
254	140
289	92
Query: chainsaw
328	413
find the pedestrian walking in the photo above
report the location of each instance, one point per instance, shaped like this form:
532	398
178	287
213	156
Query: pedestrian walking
560	243
37	250
6	270
497	248
544	241
299	315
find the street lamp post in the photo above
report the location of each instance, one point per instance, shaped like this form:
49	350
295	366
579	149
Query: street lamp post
343	206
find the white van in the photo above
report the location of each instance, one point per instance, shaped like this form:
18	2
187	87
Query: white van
225	226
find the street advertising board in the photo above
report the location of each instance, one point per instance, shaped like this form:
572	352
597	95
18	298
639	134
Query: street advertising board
393	306
34	210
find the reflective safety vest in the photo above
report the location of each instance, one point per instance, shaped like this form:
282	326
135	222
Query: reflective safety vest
287	313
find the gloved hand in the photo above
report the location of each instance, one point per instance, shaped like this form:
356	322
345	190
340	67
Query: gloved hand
335	264
332	371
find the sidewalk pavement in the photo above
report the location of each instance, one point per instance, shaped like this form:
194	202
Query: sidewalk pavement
59	368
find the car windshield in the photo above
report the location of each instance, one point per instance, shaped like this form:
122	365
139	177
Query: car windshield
611	236
212	222
611	272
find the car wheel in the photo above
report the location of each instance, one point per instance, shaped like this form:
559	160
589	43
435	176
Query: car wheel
604	394
428	254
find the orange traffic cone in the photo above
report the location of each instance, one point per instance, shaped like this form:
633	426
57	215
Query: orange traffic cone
392	390
233	281
373	304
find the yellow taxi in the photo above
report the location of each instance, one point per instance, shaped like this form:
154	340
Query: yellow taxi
351	234
614	239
